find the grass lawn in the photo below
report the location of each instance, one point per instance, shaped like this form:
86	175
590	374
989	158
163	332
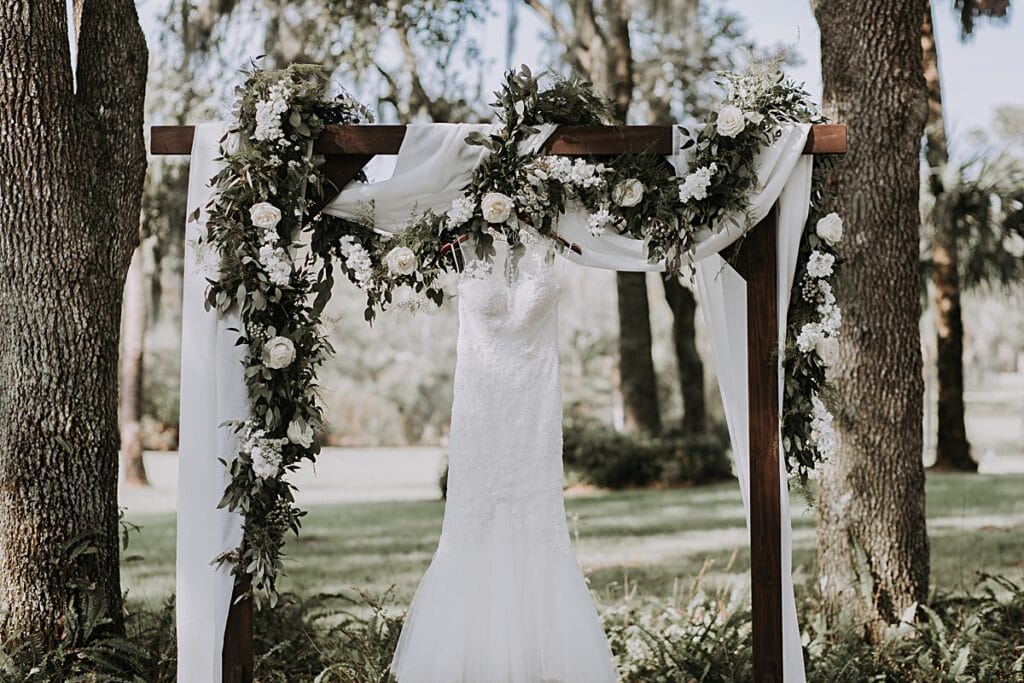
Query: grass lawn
653	542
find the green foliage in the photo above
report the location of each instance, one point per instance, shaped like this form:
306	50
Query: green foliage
597	454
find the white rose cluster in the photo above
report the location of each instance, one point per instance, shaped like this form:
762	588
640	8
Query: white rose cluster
401	261
264	215
730	121
628	193
496	207
268	113
278	353
358	260
830	228
696	184
300	432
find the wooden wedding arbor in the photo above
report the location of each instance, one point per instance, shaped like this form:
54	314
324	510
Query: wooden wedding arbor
348	149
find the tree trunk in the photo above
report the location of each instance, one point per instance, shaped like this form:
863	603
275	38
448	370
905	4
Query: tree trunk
691	369
636	367
71	170
133	338
872	540
952	449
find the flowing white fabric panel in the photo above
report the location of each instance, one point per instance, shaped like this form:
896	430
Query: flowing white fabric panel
212	391
723	293
434	164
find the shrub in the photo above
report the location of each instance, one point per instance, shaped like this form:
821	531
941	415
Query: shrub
597	454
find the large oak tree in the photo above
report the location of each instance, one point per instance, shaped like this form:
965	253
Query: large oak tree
872	541
72	160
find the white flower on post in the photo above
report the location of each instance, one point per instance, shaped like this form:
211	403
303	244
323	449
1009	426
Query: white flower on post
300	432
265	215
819	264
830	228
401	261
810	335
731	121
827	349
628	192
278	352
496	207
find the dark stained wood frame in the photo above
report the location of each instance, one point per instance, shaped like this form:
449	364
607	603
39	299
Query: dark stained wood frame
348	149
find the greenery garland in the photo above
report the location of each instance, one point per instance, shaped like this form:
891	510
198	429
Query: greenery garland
270	183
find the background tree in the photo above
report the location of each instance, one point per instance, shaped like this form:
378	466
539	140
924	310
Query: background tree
952	449
72	161
133	343
654	60
872	540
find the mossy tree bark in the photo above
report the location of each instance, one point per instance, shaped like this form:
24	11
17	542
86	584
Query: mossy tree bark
872	540
72	160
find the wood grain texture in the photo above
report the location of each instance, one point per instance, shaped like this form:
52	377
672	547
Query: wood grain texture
238	657
569	141
755	260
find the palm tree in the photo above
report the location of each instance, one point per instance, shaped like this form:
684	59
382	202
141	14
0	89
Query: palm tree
980	212
953	450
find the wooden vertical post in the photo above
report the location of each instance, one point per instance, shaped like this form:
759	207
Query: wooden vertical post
237	657
756	262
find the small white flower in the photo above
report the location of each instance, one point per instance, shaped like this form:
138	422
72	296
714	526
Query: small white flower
819	264
496	207
696	184
628	192
809	336
830	228
1013	244
300	433
827	349
265	215
401	261
598	221
822	432
276	264
731	121
461	211
278	352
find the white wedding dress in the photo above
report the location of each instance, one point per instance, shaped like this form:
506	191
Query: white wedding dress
504	599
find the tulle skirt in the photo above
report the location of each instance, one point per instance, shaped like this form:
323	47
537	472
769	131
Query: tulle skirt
503	607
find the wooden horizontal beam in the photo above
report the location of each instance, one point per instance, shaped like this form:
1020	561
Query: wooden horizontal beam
569	141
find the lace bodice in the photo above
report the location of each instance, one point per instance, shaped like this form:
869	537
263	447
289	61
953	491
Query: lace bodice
506	435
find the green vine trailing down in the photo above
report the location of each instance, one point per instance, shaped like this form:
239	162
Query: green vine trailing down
270	184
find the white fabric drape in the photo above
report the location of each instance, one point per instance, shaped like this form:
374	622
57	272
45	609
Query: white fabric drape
433	166
212	391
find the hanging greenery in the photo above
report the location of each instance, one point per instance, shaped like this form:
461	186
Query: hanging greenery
269	184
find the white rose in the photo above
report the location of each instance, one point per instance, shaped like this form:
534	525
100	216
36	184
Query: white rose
731	121
300	433
830	228
278	353
628	192
496	207
827	349
401	261
265	215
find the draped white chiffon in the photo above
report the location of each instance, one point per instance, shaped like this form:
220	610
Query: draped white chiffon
433	166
